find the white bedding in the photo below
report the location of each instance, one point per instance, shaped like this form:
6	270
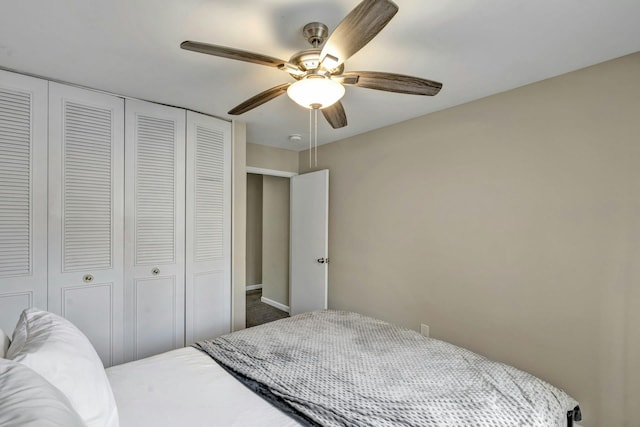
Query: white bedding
184	387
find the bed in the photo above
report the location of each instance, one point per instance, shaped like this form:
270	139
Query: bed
334	368
320	368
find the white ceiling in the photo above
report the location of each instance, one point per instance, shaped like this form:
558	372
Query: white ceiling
476	48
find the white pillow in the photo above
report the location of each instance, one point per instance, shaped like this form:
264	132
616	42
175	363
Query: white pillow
4	343
27	399
53	347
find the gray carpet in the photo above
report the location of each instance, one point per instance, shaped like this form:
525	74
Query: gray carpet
259	312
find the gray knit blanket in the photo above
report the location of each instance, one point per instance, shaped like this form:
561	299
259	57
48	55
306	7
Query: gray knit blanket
334	368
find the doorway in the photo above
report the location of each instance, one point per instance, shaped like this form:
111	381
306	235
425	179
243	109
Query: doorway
267	270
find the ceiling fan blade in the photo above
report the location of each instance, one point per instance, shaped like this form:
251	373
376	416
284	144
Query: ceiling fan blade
335	115
259	99
393	82
356	30
346	80
231	53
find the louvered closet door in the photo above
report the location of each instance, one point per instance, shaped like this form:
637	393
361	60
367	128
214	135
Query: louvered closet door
86	174
208	250
154	229
23	196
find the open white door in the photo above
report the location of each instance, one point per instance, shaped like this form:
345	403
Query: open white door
309	242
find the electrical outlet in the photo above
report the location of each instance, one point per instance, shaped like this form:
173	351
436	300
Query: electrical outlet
424	330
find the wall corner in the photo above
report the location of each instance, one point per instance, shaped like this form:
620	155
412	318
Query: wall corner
238	226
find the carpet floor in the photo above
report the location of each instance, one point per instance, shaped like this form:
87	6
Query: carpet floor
259	312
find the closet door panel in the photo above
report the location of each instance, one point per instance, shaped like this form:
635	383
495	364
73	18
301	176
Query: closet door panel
23	196
12	304
92	307
154	229
86	197
208	240
214	320
156	325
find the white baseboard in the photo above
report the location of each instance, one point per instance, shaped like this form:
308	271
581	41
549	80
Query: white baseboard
275	304
254	287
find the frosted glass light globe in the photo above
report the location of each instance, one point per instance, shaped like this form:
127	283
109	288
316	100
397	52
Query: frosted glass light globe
315	92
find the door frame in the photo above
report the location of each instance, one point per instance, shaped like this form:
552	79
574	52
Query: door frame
270	172
281	174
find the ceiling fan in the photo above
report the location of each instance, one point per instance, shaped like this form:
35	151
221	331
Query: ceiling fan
319	72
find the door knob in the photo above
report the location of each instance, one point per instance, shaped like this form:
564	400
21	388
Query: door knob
323	260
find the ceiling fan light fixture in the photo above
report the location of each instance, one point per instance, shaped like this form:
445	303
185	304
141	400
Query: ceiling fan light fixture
315	92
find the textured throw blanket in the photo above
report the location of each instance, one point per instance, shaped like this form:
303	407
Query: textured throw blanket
335	368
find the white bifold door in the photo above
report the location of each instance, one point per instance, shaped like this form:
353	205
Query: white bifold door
23	196
86	185
115	215
154	229
208	240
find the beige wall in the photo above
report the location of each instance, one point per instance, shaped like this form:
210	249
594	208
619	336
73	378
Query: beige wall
261	156
254	229
509	225
275	239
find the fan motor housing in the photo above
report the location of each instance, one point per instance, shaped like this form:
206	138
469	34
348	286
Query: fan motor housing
306	59
309	60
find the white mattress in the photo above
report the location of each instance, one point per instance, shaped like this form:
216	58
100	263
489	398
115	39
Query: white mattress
186	387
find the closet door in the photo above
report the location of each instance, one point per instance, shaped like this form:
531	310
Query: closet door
154	229
23	196
86	174
208	250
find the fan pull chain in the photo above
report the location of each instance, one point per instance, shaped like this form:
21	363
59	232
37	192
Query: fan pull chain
313	130
310	124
